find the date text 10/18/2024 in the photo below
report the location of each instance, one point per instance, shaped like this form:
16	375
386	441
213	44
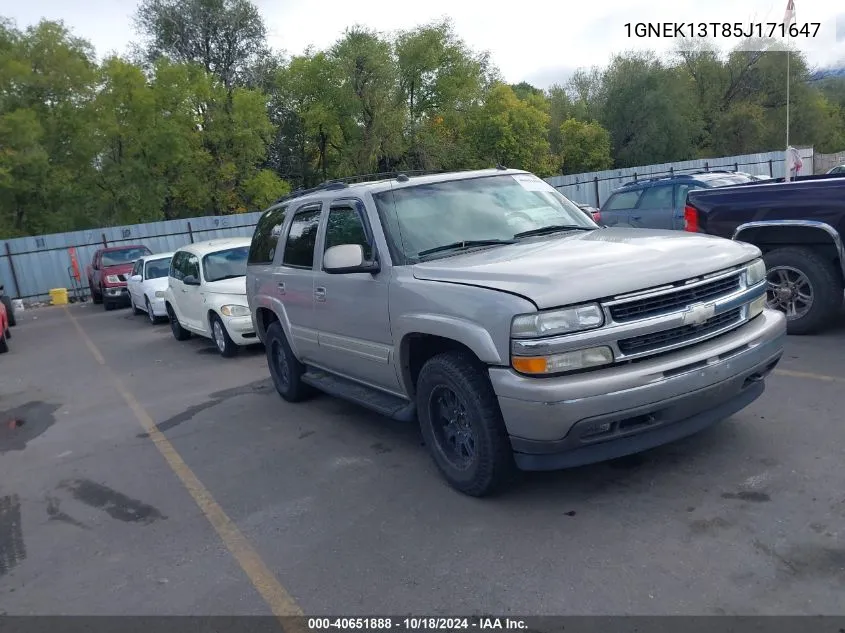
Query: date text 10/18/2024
732	30
420	623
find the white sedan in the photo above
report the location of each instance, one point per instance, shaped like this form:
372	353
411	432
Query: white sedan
206	294
146	285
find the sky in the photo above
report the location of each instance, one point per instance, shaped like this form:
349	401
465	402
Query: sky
541	43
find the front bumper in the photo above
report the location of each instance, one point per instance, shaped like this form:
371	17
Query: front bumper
241	329
158	308
115	293
607	413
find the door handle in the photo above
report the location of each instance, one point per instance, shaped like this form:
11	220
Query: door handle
320	294
281	286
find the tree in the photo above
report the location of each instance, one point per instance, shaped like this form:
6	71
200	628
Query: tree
225	37
512	132
585	147
649	111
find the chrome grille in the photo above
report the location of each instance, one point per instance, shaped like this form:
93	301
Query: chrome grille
672	301
687	333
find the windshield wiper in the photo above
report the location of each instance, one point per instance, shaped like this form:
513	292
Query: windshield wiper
553	228
461	245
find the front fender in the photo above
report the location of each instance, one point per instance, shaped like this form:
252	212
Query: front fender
466	332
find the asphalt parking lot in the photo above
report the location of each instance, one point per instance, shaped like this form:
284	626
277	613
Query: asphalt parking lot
149	476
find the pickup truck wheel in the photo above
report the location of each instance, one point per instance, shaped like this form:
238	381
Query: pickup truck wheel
4	343
10	309
285	369
96	297
108	305
806	287
225	345
179	333
462	424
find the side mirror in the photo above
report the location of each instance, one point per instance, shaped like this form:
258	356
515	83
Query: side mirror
348	258
190	280
136	278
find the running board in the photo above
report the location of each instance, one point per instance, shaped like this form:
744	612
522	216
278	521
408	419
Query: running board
384	403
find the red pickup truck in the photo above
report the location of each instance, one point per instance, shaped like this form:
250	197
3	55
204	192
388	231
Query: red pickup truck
108	272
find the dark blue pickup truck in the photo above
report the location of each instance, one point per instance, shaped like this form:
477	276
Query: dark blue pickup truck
799	226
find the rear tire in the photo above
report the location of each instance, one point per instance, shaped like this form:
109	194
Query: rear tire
10	309
285	369
462	424
805	286
225	345
179	333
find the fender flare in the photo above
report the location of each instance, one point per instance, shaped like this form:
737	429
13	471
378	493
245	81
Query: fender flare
831	232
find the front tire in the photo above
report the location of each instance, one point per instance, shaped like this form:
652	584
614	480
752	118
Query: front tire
4	342
803	285
462	424
179	333
135	309
285	369
150	314
96	297
10	309
225	345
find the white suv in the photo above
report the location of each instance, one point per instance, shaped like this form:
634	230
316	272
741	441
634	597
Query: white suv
206	294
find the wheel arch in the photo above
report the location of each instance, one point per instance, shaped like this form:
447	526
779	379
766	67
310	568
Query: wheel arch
772	234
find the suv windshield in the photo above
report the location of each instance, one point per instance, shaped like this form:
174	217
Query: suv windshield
125	256
226	264
491	209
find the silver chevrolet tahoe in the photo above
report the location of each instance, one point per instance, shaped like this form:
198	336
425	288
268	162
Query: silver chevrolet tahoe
491	309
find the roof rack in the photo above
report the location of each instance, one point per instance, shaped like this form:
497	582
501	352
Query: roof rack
692	174
329	185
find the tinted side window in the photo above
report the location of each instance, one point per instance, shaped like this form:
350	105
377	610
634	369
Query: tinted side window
176	266
266	236
192	266
656	198
623	200
345	226
299	247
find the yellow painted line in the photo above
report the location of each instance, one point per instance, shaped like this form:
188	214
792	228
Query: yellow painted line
808	375
265	582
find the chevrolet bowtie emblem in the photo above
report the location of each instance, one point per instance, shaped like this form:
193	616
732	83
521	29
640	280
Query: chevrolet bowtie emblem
699	313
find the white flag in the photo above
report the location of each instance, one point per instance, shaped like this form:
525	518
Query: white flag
789	14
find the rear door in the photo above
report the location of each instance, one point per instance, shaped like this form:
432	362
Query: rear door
294	279
617	208
655	209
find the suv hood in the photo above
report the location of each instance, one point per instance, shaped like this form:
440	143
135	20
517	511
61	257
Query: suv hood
119	269
577	267
236	286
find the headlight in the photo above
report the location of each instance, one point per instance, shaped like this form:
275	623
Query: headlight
756	306
113	279
563	321
159	294
234	311
558	363
755	273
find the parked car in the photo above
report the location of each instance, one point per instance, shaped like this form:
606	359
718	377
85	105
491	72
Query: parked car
5	333
658	203
206	294
6	300
839	169
799	228
147	283
546	347
108	271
